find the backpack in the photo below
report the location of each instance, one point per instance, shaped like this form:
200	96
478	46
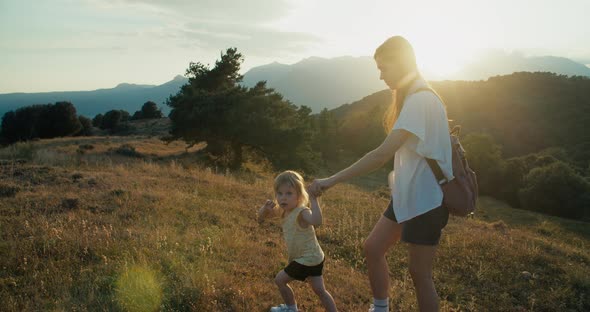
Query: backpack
459	194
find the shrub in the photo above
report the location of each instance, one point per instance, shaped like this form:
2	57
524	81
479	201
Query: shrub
555	189
70	203
97	120
86	146
128	150
86	129
19	150
114	118
7	190
149	110
485	158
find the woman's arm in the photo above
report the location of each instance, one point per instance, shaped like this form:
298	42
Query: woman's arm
313	216
371	161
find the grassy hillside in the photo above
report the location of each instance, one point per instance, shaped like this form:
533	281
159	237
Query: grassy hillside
86	224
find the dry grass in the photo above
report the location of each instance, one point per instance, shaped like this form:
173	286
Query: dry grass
102	231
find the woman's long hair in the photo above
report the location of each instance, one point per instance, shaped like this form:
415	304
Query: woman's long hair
398	50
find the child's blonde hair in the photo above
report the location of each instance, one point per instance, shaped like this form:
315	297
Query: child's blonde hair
295	180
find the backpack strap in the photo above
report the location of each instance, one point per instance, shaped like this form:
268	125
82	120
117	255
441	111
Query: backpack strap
427	88
433	164
424	89
440	177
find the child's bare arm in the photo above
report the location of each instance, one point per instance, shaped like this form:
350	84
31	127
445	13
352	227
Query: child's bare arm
314	215
267	210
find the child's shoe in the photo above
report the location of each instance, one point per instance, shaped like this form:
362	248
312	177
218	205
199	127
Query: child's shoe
372	308
282	308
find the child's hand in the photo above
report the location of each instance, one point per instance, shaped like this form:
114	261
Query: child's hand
318	186
313	193
266	210
269	205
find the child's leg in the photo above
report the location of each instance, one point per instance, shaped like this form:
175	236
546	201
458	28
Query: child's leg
286	292
317	284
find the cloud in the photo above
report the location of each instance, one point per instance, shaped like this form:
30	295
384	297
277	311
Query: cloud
212	25
259	40
252	11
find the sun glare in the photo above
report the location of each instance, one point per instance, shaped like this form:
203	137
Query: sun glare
444	44
138	289
442	61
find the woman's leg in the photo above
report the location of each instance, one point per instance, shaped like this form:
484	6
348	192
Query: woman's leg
385	233
421	259
286	291
317	285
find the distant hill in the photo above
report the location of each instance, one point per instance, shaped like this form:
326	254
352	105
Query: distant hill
315	82
319	82
500	63
328	83
129	97
524	112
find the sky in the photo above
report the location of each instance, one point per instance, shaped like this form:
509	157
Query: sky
68	45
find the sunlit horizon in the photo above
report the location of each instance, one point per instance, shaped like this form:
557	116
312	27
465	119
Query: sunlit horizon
100	43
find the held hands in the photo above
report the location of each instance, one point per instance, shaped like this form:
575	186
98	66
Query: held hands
318	186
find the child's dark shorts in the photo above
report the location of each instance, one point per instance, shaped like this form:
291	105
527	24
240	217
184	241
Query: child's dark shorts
300	272
424	229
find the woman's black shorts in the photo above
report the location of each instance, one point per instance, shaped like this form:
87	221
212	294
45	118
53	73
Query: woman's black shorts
300	272
424	229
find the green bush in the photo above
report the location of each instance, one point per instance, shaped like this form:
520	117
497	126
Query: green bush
556	189
485	158
515	170
8	190
19	150
128	150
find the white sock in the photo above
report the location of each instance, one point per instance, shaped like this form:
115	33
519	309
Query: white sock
292	307
381	305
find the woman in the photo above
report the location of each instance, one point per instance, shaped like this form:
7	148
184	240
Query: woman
417	128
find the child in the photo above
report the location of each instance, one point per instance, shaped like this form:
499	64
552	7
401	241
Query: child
306	258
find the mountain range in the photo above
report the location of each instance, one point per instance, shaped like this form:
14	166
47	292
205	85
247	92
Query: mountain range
319	82
125	96
315	82
495	63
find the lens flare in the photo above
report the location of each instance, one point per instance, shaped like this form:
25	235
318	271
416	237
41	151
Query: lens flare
138	289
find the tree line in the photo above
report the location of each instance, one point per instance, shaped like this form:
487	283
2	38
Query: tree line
43	121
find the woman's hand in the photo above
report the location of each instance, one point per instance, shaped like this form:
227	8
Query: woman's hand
318	186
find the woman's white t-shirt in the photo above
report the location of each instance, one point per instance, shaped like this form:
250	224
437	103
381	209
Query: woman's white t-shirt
414	188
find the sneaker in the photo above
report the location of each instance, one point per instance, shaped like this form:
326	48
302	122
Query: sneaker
372	308
282	308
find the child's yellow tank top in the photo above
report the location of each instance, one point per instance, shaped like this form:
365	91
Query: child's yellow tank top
302	244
